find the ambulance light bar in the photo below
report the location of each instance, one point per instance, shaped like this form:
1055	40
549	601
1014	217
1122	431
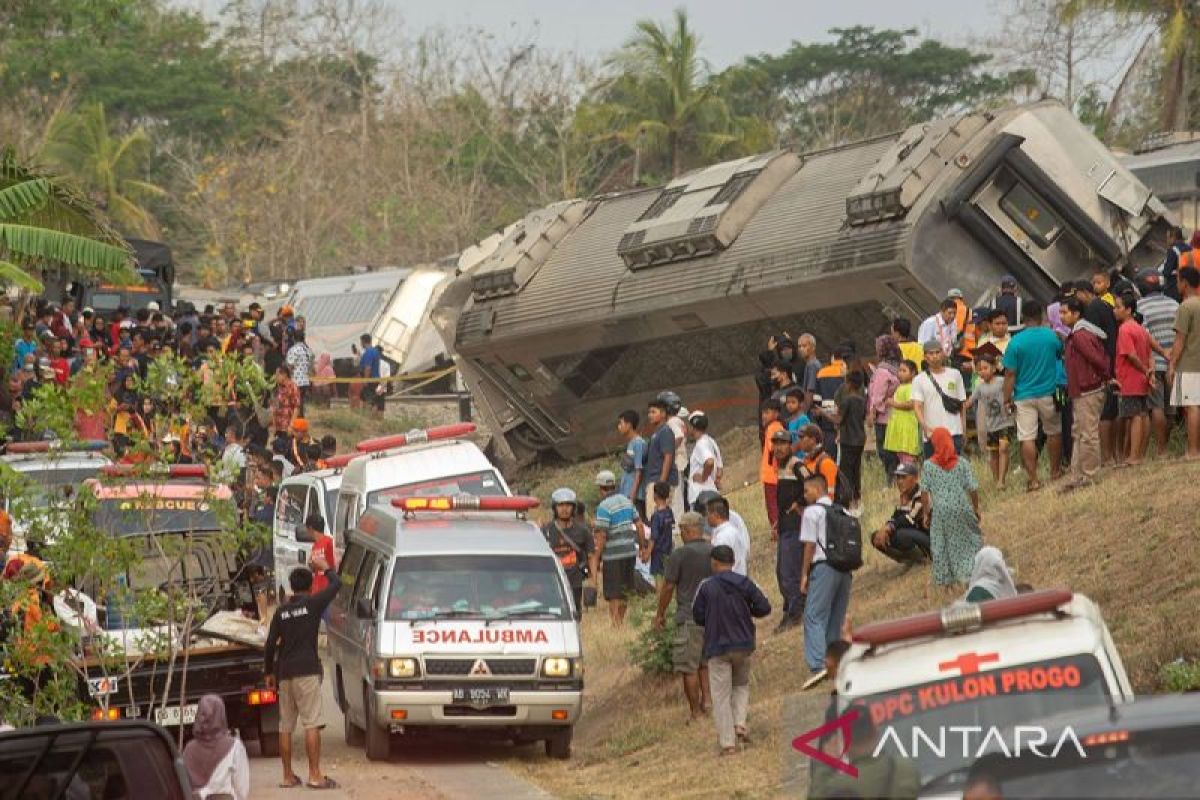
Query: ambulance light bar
340	461
962	617
157	470
465	502
415	436
89	445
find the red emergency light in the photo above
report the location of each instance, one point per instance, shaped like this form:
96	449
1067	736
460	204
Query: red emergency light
340	461
964	617
416	437
466	502
157	470
90	445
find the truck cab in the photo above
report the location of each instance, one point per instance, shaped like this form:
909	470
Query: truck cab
433	461
51	473
299	497
453	613
990	665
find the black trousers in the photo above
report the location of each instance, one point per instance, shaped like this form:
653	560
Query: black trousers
907	545
789	556
851	465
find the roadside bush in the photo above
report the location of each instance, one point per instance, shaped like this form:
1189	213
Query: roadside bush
1181	675
650	650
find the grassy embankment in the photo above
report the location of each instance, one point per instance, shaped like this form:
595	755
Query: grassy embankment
1128	543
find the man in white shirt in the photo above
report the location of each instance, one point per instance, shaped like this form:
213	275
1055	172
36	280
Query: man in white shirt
827	590
942	327
676	422
725	532
705	461
927	400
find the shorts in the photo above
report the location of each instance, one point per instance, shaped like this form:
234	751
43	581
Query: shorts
1134	405
658	563
1158	392
1111	405
300	699
618	578
1186	389
998	440
1034	410
687	647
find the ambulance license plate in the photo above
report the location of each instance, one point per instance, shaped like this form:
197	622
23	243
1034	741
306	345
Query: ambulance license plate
481	696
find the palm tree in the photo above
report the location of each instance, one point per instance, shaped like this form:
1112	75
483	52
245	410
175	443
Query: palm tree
1177	22
664	101
107	167
44	224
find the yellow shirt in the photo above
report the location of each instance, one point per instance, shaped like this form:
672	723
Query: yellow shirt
912	351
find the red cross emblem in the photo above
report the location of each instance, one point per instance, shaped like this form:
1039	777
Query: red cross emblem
968	663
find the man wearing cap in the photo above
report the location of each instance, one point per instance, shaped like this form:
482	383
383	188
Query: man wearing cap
939	381
705	462
905	536
619	534
788	550
685	570
726	605
1158	318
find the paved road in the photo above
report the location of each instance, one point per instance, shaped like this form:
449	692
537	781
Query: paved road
451	769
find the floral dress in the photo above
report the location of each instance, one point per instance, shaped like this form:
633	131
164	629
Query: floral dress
903	432
954	532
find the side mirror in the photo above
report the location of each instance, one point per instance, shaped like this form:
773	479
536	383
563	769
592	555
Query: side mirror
362	608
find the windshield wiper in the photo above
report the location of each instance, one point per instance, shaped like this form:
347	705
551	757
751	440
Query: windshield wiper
518	613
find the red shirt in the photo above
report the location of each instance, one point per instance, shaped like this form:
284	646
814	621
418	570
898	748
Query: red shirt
324	546
1133	338
62	370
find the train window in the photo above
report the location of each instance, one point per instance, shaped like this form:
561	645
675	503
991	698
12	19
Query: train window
1031	213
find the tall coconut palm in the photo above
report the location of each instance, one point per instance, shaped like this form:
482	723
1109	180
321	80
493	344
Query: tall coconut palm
664	101
44	224
1178	24
109	168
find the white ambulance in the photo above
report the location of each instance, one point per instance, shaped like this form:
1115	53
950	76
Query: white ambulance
982	668
453	613
301	496
434	461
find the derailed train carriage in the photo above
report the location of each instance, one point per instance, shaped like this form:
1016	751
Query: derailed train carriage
592	306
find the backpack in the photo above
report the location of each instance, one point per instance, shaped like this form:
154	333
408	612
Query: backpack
843	539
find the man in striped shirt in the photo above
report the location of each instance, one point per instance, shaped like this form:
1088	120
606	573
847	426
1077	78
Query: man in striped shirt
1158	318
619	535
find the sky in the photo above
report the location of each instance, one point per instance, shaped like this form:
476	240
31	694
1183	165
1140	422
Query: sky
729	29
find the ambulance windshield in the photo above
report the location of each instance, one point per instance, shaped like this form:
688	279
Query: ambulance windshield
470	586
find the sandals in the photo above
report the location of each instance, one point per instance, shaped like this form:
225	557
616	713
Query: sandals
292	784
326	783
742	735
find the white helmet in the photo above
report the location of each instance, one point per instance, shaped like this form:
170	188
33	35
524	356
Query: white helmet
562	495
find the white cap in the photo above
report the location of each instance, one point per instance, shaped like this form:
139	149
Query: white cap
683	412
606	478
152	305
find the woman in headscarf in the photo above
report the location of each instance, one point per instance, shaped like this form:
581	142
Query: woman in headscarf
991	578
951	493
216	759
883	385
323	375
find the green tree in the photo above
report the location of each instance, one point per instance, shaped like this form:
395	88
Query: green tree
664	105
1178	24
45	224
110	168
865	82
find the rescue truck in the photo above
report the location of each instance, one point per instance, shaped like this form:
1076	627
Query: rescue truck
987	666
224	651
435	461
453	614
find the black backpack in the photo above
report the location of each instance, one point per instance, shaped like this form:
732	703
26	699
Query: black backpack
843	539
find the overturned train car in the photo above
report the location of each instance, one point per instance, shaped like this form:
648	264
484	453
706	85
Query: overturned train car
592	306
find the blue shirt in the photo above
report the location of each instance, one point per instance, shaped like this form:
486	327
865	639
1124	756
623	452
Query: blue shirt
617	519
662	444
23	348
1034	354
794	426
662	531
369	360
633	460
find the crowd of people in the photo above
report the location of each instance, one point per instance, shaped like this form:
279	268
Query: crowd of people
1079	384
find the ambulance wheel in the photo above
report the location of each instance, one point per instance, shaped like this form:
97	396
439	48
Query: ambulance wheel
558	744
378	740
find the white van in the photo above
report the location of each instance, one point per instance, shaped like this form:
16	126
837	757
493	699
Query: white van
299	497
990	665
461	617
434	461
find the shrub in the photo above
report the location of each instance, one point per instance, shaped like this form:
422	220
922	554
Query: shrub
650	650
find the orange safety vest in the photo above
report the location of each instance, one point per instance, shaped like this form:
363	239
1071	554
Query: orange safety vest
1189	259
962	322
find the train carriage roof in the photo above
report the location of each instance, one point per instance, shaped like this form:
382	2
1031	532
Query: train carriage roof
799	231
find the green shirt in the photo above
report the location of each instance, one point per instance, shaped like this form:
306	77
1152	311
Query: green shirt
1187	329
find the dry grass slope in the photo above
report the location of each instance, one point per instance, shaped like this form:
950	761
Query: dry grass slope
1128	543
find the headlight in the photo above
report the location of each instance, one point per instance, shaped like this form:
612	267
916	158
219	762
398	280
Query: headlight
403	668
557	667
